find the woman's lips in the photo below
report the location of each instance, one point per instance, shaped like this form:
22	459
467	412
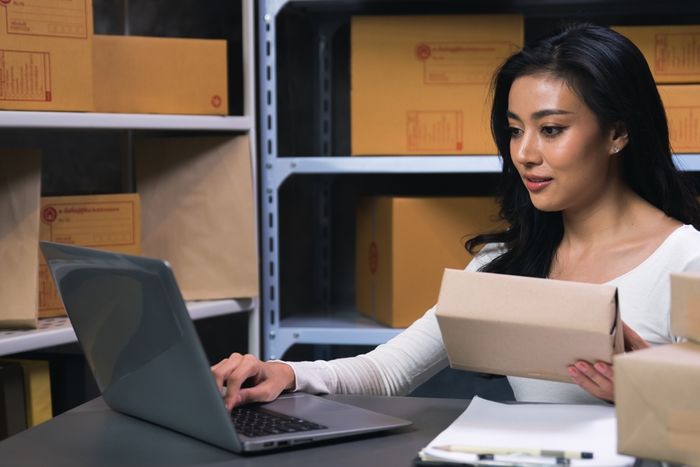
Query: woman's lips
537	184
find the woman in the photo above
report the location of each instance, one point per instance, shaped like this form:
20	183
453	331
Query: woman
591	195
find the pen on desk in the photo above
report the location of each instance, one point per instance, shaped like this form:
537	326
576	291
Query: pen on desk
486	450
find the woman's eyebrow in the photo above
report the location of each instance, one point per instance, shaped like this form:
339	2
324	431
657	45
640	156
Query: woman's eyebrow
539	114
513	116
547	112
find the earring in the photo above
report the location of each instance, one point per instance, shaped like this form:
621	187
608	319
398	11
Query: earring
615	150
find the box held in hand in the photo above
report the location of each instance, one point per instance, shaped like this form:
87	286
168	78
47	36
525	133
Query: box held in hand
524	326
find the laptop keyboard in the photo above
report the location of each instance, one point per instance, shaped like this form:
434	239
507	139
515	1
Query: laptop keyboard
254	421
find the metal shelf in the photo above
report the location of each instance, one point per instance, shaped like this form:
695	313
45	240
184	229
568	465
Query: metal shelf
281	168
96	121
344	327
687	162
57	331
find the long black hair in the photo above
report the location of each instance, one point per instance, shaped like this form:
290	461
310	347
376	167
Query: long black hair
611	76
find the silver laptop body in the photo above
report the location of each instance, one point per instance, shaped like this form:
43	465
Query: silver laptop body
141	345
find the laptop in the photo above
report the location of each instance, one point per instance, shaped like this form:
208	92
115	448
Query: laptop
140	343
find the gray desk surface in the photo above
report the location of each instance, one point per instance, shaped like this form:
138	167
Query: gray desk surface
93	435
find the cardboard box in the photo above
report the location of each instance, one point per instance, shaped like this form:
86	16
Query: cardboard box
199	213
657	403
403	245
20	192
682	104
420	84
46	54
673	52
160	75
524	326
685	305
105	222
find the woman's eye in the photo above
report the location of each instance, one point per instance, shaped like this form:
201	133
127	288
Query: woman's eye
514	132
552	130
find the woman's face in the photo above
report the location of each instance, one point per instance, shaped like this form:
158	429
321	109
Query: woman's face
564	158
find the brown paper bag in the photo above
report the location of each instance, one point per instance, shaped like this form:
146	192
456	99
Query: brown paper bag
197	208
20	191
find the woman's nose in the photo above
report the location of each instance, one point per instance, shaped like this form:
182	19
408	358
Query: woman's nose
526	150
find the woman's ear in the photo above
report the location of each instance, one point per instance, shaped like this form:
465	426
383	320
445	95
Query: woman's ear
618	137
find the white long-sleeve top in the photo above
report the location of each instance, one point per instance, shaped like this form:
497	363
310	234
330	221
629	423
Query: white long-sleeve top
417	353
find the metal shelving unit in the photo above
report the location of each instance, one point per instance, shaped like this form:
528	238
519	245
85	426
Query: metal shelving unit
324	322
58	330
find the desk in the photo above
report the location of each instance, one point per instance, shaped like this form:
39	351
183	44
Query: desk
93	435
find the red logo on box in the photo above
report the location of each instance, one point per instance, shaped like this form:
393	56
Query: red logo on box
216	101
49	215
373	258
423	51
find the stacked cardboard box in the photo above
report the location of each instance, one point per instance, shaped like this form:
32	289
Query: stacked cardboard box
673	55
109	222
671	51
160	75
50	60
682	104
656	389
403	246
46	55
420	84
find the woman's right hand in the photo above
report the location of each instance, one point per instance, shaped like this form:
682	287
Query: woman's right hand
263	381
633	341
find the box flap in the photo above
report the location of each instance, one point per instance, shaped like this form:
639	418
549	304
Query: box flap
526	326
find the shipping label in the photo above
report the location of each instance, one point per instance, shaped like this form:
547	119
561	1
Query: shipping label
97	224
49	300
677	54
684	128
108	225
434	130
25	76
461	62
54	18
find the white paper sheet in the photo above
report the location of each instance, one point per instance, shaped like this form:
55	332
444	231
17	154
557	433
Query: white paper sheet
574	427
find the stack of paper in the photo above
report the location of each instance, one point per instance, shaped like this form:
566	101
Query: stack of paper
526	427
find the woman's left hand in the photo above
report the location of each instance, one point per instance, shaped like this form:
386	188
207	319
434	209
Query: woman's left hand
597	379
